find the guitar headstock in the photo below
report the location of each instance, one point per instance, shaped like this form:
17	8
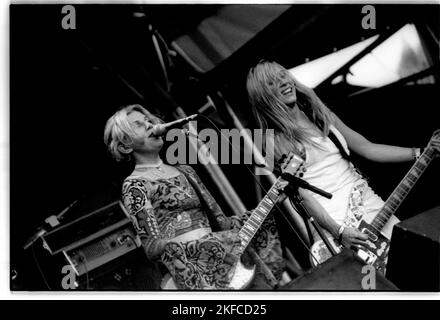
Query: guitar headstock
436	135
292	164
434	142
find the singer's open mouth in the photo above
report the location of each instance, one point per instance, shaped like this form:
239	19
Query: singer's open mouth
152	135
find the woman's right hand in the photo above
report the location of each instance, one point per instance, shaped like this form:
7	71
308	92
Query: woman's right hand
353	237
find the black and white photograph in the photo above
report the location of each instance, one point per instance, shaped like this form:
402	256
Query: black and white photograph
211	147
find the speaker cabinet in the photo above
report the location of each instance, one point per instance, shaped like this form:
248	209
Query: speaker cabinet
131	272
414	257
343	272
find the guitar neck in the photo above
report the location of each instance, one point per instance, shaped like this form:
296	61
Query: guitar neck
256	219
399	194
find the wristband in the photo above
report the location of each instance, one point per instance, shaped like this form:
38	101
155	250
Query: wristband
416	153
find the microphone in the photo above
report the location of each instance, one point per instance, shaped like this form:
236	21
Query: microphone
162	128
304	184
40	232
49	223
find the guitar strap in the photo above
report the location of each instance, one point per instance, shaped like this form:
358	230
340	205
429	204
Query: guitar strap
336	141
338	144
355	204
215	225
345	155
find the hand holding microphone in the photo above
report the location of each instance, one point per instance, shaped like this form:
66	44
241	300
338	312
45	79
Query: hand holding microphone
162	128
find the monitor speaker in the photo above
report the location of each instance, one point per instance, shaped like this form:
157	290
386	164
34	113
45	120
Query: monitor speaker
414	257
343	272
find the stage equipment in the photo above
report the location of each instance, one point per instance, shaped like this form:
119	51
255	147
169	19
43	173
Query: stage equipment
343	272
414	257
94	239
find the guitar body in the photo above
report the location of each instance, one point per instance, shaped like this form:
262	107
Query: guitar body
231	266
379	228
242	277
376	254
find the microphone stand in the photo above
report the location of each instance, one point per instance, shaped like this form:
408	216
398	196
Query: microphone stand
291	190
49	222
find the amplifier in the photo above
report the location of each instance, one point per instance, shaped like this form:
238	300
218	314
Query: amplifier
94	239
414	257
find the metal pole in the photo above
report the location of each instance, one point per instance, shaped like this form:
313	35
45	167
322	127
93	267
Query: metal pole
217	175
433	70
346	67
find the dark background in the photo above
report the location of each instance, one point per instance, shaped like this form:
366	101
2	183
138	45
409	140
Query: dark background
65	84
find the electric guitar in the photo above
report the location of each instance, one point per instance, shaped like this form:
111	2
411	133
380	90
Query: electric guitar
242	276
379	227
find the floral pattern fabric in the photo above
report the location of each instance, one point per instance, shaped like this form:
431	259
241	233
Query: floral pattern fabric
165	208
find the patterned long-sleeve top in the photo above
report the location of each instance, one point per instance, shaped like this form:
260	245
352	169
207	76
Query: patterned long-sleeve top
165	208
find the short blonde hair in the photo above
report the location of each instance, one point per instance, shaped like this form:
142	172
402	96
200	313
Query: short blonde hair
118	129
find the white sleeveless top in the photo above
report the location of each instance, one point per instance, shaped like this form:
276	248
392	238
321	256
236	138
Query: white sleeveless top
329	171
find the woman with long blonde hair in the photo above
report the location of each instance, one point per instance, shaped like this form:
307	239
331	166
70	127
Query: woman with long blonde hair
304	125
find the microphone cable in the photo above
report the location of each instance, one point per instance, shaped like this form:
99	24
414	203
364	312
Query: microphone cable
39	267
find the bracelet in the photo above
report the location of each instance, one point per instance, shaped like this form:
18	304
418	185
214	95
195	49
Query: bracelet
340	232
417	153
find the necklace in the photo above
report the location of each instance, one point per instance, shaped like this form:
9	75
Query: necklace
157	166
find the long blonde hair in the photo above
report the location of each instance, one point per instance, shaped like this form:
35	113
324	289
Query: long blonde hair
272	113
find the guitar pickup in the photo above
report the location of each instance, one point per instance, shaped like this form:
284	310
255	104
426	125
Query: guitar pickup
370	234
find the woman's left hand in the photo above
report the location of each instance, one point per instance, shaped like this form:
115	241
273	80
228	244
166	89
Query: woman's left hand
435	142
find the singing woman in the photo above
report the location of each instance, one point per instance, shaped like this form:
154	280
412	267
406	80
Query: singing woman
175	215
